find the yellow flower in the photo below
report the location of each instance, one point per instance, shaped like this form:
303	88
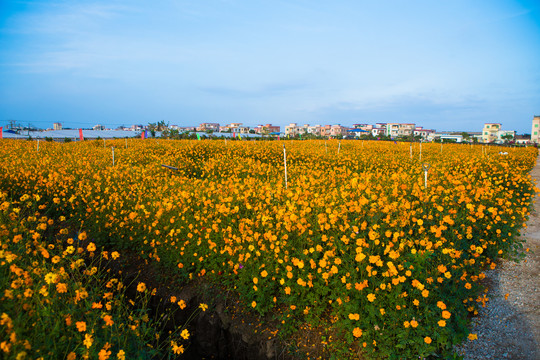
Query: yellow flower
71	356
371	297
91	247
406	324
50	278
442	323
182	304
264	273
354	316
414	323
88	340
115	255
177	349
185	334
427	340
255	280
121	355
472	337
203	306
254	304
357	332
141	287
82	236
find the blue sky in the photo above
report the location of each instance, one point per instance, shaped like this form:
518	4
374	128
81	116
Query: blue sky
447	65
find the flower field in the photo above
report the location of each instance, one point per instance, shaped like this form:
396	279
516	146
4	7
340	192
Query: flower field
355	244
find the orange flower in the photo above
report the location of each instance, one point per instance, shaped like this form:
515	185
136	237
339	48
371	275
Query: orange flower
141	287
427	340
108	320
357	332
446	314
61	288
441	305
81	326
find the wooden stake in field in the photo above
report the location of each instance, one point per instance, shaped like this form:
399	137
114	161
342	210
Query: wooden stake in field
339	147
126	143
426	167
285	164
37	145
112	147
103	142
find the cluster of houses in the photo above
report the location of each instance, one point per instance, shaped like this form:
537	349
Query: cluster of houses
491	132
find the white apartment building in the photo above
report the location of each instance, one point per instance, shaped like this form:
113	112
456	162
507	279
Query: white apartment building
424	133
535	132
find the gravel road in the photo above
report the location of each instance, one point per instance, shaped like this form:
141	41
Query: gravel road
509	326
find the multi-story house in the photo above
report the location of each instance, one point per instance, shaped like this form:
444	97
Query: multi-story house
366	127
490	132
424	133
338	130
399	129
535	132
235	128
292	129
267	129
379	129
208	126
57	126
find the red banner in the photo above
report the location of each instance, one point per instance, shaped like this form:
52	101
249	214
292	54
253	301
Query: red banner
1	132
142	135
81	135
233	134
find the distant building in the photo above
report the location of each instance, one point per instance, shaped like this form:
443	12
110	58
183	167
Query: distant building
425	134
292	129
267	129
490	132
208	126
57	126
98	127
338	130
522	139
235	128
379	129
535	132
399	129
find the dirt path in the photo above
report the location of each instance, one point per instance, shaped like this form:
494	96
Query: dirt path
510	328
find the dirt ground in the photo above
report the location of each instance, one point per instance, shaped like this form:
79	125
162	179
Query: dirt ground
509	327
